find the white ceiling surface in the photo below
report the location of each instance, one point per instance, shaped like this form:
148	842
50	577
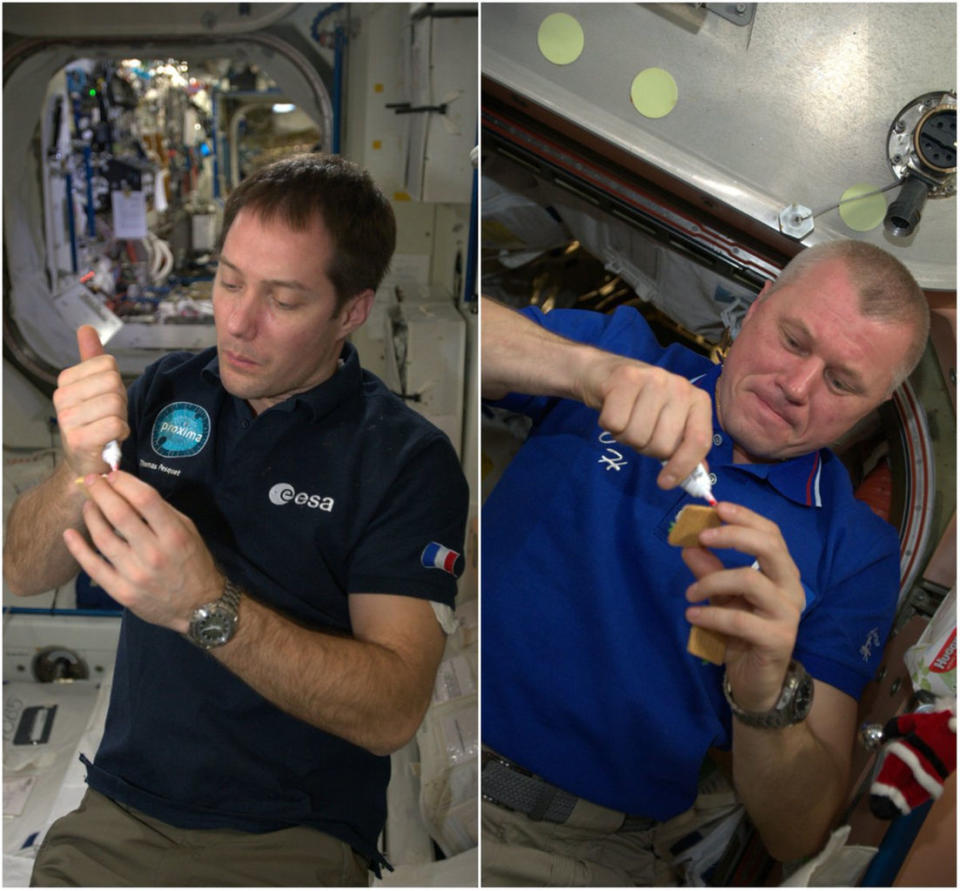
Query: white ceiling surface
792	109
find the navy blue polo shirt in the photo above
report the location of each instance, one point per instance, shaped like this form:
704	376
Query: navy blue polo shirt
339	490
586	676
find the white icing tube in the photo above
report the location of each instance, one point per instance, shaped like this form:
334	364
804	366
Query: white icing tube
111	454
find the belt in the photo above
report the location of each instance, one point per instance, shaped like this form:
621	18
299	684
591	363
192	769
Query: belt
508	785
515	788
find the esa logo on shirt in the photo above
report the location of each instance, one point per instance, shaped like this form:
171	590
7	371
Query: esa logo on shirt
284	493
181	430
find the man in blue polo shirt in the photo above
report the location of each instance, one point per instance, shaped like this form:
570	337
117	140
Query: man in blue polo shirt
284	534
592	707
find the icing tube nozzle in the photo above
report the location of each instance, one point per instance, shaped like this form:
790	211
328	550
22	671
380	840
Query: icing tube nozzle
698	484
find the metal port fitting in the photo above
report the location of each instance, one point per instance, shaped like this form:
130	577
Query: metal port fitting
59	664
796	221
922	150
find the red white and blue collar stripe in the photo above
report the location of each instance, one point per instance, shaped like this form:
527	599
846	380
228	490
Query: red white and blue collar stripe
813	483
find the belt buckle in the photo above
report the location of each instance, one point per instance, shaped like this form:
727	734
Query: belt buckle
541	800
488	756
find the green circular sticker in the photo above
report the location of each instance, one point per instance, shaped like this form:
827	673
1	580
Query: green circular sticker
654	93
560	38
862	213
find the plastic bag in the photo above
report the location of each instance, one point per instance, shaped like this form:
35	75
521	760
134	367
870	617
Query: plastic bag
932	660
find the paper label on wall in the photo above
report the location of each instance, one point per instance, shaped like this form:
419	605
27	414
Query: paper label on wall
80	306
453	680
460	734
16	791
129	214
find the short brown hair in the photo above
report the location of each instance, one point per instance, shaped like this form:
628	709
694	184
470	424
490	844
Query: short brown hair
888	291
354	211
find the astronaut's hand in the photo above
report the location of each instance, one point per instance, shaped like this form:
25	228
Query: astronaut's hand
159	566
91	405
654	411
758	612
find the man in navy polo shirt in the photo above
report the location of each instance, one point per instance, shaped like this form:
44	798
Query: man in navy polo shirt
592	707
285	536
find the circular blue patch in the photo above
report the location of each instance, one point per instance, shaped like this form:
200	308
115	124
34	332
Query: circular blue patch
181	430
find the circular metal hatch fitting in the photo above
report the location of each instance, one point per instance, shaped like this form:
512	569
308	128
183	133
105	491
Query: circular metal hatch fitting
922	142
59	664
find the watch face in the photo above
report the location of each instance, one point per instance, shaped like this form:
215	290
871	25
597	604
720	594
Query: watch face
213	625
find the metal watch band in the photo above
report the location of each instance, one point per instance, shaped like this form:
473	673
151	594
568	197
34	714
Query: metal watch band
231	595
792	706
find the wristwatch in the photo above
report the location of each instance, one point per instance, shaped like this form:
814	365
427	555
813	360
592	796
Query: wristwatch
796	698
215	623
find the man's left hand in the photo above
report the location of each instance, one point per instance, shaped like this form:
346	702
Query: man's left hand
759	612
159	566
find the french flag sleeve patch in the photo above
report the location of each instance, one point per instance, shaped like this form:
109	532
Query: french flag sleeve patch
436	556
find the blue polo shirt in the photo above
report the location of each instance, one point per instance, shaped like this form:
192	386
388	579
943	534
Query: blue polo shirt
339	490
586	676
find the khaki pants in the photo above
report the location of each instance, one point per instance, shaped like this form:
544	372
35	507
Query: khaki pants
103	843
594	846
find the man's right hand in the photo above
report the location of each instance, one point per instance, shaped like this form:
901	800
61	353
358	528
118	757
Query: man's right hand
91	405
658	413
654	411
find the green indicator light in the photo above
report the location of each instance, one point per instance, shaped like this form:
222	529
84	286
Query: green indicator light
93	92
